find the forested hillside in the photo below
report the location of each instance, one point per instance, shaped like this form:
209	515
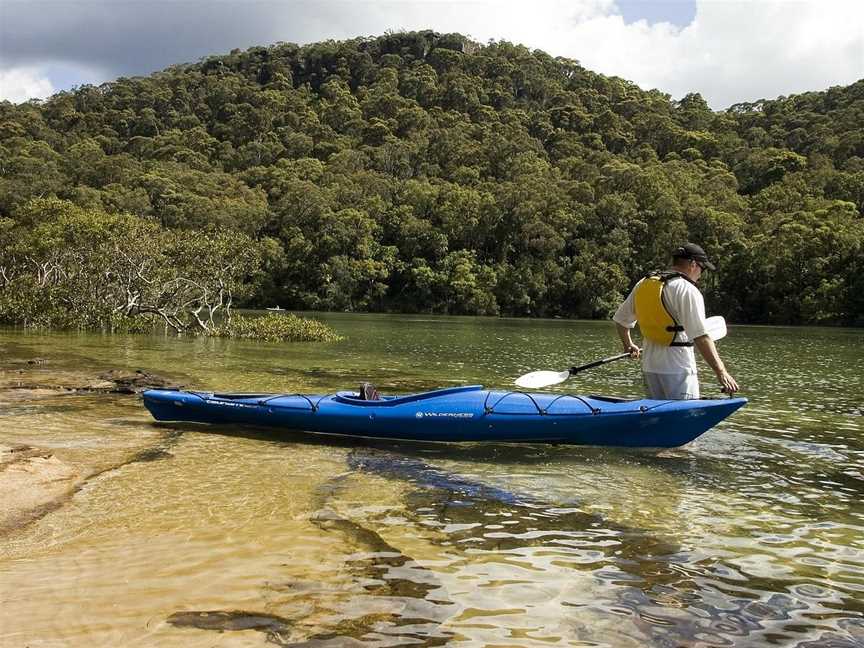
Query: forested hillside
424	172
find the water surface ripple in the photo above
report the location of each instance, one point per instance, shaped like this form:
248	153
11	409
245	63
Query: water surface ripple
187	536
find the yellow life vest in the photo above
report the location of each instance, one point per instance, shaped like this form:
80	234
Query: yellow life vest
655	321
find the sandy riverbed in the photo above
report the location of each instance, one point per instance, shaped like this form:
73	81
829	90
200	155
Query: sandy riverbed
34	480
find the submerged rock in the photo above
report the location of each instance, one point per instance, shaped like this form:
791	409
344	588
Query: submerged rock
233	620
35	378
133	382
33	482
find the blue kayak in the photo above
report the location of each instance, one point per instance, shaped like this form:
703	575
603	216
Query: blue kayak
468	413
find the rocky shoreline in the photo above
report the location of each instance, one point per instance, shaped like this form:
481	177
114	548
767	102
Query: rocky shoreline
35	481
34	377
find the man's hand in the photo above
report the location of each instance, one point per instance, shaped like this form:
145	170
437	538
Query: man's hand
633	350
727	382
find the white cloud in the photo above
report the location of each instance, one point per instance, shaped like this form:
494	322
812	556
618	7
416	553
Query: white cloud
741	51
20	84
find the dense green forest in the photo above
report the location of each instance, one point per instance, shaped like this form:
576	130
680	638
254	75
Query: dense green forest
425	172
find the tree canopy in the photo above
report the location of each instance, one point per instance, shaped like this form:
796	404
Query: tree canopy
425	172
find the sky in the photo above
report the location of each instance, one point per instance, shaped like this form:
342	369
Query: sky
730	51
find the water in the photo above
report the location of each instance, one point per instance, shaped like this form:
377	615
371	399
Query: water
750	536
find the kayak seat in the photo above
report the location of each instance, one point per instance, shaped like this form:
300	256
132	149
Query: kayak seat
368	392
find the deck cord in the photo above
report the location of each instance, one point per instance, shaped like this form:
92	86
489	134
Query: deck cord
543	412
487	409
313	407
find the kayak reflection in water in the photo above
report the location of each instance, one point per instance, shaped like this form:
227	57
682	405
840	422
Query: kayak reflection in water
670	311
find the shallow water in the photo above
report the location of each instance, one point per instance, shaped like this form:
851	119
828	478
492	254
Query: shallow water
190	536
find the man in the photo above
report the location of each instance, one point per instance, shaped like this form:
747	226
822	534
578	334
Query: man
670	311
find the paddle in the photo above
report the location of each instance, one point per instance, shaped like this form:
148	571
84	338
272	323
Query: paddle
537	379
715	326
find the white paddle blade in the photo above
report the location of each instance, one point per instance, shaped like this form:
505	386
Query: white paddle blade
716	327
538	379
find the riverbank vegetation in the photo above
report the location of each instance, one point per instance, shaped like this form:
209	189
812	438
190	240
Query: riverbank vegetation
278	327
65	266
421	172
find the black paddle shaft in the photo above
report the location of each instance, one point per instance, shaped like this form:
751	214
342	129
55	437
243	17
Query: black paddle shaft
597	363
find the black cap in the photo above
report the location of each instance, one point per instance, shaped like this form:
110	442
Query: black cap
694	252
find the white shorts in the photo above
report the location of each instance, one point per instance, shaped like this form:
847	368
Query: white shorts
681	386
